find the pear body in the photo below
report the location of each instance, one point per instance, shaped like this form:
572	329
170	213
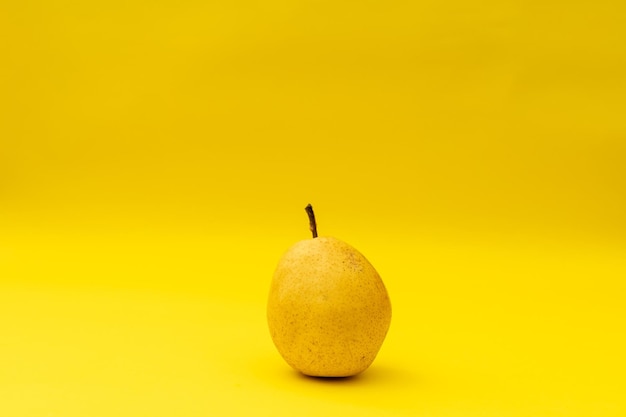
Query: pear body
328	310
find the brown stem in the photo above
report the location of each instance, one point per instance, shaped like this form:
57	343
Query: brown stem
312	224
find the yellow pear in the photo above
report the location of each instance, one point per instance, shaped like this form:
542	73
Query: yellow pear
328	309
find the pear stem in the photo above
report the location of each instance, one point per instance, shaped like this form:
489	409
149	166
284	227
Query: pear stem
312	224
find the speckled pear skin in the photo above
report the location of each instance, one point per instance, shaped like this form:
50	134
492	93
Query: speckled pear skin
328	309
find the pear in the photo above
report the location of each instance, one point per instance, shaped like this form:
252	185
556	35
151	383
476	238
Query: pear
328	310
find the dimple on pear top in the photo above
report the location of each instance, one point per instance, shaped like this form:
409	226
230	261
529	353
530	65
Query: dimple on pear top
328	310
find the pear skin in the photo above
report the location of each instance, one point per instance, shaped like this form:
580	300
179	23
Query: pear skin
328	310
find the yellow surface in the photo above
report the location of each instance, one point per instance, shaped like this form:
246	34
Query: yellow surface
156	157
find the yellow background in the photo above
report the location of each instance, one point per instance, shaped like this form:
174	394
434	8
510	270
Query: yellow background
156	157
